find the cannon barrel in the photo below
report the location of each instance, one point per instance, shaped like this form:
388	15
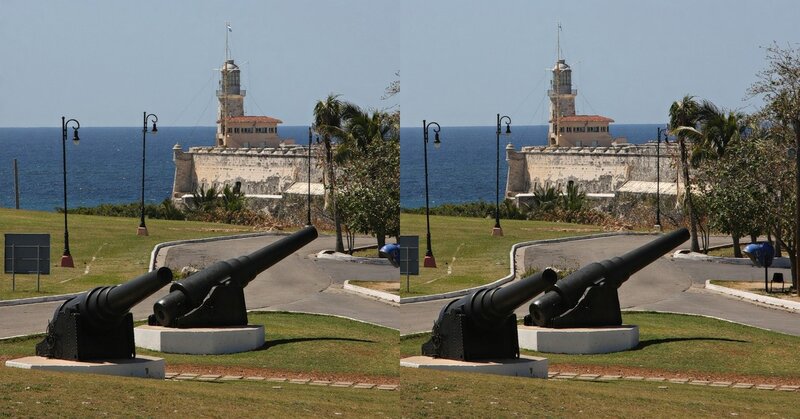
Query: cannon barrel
488	306
189	293
103	307
613	272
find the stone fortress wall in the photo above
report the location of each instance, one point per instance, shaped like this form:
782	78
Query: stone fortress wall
264	174
596	170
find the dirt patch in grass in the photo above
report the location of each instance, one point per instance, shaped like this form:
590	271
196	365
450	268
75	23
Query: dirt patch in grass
648	372
266	372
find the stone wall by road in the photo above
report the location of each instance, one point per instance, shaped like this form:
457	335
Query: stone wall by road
596	170
261	171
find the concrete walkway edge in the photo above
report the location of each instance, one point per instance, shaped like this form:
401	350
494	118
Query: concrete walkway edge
751	297
385	296
513	258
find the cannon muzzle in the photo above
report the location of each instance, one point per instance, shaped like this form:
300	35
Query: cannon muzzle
98	323
214	296
588	297
483	325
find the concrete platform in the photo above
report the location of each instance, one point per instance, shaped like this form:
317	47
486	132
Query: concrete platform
199	341
141	366
590	340
525	366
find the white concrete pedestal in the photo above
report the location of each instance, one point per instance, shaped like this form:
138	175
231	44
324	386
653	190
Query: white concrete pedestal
589	340
141	366
199	341
524	366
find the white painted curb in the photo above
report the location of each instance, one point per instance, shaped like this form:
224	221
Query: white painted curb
777	302
371	292
781	263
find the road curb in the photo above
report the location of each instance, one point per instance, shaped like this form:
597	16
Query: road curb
513	258
343	257
749	296
371	292
36	300
780	263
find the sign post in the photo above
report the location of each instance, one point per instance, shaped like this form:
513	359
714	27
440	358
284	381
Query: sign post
409	257
27	254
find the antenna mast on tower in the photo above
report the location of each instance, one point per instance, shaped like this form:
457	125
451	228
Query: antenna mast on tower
558	84
224	116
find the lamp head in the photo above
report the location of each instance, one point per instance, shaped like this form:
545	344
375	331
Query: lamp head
436	142
155	128
508	129
75	138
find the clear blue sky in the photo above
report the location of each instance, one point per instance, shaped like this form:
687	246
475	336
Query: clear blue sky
104	62
463	61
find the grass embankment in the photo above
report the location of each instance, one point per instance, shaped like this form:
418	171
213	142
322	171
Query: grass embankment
298	346
466	253
106	250
670	346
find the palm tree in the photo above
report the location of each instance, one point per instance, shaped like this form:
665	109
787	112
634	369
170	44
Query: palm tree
361	129
328	122
683	115
717	130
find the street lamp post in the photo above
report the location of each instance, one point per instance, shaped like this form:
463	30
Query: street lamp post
308	219
429	261
142	230
66	258
658	175
497	230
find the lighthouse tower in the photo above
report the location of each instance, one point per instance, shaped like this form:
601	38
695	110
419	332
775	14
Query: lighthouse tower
234	128
230	96
562	99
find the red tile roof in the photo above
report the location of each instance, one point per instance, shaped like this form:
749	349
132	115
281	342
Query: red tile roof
585	118
254	119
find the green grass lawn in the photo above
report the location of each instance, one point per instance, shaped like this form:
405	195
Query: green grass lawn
106	250
687	346
25	393
674	343
295	344
440	394
466	253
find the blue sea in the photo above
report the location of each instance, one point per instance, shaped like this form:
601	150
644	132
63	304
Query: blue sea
105	167
463	169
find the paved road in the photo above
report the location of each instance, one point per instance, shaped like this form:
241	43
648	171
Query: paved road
668	284
298	283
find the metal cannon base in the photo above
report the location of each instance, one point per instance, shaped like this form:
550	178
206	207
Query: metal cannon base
524	366
455	336
68	338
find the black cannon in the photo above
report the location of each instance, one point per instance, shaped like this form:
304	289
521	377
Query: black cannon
588	297
98	323
483	325
214	297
